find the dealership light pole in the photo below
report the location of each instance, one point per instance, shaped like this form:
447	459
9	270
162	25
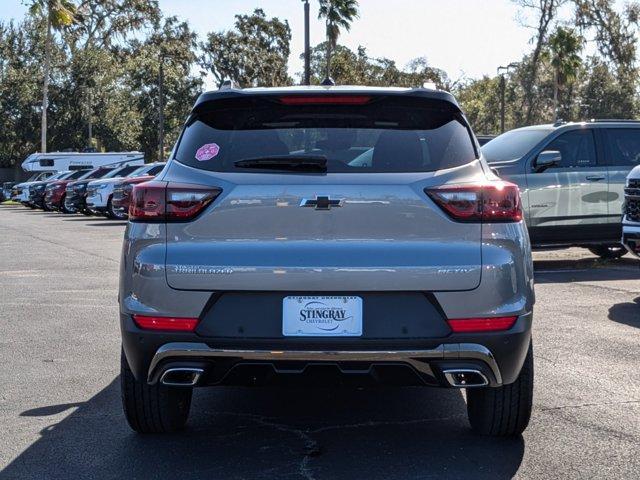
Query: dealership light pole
161	109
307	48
503	84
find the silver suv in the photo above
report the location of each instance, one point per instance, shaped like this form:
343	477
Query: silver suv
326	235
572	178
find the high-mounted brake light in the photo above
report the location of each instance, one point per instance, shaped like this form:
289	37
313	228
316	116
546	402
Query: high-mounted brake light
174	324
470	325
162	201
491	202
326	100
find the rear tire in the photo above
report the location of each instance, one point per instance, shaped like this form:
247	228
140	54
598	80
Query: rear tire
608	252
506	410
152	408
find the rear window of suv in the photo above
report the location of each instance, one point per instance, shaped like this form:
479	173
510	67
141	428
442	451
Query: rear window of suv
382	134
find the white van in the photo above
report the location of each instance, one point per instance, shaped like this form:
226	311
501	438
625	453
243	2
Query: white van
60	161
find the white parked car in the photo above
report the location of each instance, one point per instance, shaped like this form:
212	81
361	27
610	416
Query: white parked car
631	219
100	192
20	192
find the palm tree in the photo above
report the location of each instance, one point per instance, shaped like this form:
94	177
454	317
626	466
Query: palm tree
338	14
59	13
565	46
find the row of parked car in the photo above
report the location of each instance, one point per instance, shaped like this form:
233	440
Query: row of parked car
104	190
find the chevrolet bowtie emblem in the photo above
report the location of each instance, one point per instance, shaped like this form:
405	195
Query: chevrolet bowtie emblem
321	203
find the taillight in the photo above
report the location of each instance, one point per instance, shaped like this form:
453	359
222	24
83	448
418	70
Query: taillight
163	201
180	324
326	100
488	202
470	325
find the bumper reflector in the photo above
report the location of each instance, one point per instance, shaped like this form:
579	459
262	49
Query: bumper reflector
495	324
165	323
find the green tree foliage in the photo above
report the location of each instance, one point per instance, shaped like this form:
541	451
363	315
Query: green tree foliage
175	45
357	68
98	51
603	85
563	53
616	32
481	102
21	59
104	71
603	96
544	13
104	58
337	15
58	14
255	53
107	23
616	36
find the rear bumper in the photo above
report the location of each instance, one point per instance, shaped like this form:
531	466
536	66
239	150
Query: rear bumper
631	238
419	360
498	356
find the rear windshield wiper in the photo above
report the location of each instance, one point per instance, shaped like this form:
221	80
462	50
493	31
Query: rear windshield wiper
314	163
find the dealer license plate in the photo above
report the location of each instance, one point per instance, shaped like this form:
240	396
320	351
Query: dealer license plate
318	316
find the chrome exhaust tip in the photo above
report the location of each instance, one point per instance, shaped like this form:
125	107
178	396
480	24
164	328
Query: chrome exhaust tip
465	377
181	377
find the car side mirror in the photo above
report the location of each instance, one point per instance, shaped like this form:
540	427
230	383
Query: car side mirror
547	159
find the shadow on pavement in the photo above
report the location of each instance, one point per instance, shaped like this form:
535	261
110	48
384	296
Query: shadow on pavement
627	313
78	218
270	433
586	270
50	410
107	224
27	211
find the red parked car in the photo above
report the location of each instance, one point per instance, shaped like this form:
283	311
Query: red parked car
54	192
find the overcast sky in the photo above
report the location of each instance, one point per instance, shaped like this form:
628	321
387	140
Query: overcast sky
463	37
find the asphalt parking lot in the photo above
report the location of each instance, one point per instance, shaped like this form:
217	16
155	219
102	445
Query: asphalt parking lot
60	397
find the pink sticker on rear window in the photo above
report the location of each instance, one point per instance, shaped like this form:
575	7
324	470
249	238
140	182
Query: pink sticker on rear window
207	152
